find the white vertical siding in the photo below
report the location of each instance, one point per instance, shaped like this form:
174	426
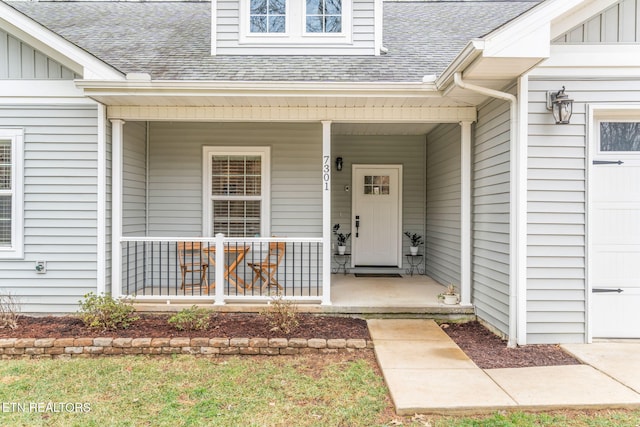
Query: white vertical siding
556	273
443	204
18	60
60	211
490	218
406	150
228	33
618	24
175	167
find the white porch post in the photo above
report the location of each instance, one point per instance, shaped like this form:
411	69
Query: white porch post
465	213
326	212
116	206
219	274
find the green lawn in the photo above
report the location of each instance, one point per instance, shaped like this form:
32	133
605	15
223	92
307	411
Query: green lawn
226	391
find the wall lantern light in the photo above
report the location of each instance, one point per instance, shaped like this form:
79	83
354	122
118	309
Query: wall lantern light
560	105
338	163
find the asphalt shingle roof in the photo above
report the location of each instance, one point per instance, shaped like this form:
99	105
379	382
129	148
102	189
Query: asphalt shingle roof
171	40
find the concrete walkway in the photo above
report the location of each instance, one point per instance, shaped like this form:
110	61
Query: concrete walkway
426	372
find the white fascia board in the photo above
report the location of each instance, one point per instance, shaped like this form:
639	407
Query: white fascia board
470	53
39	88
233	88
592	56
55	46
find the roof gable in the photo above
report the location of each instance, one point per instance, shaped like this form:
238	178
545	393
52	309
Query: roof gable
19	60
619	23
54	46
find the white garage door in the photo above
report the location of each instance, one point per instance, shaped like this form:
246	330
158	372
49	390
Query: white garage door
615	231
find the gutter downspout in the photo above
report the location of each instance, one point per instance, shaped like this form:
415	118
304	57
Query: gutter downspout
513	226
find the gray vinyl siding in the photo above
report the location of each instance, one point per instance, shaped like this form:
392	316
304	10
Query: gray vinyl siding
18	60
556	252
443	204
490	218
618	24
408	151
60	212
175	171
134	179
228	33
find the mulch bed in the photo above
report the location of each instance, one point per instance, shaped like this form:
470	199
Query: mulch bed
486	349
223	325
489	351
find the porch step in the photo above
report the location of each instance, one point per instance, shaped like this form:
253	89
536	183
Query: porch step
440	313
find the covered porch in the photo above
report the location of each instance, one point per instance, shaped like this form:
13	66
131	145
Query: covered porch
166	193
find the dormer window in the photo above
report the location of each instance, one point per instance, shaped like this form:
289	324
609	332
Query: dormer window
295	24
268	16
324	16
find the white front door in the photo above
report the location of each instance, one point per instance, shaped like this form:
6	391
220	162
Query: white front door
615	231
376	223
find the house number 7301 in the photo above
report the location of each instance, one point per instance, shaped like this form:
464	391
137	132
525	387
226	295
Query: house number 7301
326	176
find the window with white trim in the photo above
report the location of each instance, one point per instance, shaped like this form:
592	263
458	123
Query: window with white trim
268	16
295	23
237	191
11	231
324	16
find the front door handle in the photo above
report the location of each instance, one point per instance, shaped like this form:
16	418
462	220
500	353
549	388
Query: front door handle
357	224
603	291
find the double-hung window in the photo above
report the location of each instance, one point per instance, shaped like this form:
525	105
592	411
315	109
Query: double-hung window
236	191
11	231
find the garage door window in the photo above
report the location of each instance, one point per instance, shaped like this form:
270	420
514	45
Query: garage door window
619	136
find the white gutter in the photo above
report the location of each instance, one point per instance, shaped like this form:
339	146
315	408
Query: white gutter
514	238
256	88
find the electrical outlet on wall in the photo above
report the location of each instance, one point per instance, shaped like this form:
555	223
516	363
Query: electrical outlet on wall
41	267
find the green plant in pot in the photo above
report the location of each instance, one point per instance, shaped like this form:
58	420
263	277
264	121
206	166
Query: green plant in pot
341	238
450	296
415	241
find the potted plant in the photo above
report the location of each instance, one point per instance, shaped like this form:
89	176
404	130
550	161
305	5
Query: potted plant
341	238
415	241
450	296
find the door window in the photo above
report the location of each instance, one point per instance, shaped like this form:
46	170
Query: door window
619	136
376	184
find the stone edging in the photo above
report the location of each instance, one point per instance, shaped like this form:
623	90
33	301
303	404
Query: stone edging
46	348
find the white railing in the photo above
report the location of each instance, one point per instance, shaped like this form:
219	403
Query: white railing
254	269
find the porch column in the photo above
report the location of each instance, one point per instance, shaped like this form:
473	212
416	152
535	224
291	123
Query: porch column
465	213
326	212
116	206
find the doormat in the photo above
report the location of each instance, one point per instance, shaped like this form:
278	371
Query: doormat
377	275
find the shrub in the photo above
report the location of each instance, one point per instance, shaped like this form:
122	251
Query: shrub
106	313
9	311
191	319
281	314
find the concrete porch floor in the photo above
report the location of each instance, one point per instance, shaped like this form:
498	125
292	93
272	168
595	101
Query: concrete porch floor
406	296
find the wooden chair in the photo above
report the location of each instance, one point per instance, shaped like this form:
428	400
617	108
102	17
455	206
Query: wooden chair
192	260
267	269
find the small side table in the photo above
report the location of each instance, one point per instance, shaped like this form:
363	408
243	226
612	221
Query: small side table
342	260
414	263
